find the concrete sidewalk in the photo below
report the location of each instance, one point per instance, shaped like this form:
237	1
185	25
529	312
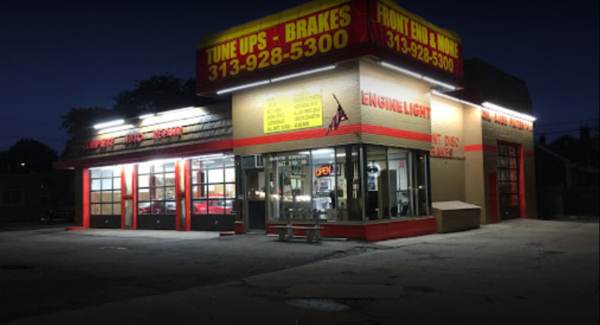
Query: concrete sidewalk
518	272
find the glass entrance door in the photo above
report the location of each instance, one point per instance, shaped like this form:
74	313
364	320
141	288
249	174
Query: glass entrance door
255	192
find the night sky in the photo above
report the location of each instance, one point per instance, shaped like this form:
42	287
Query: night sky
56	55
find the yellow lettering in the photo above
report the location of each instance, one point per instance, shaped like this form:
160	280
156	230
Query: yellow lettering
413	30
290	32
253	40
333	23
345	16
244	46
301	29
225	51
404	26
324	22
262	42
382	14
432	41
233	49
208	54
312	26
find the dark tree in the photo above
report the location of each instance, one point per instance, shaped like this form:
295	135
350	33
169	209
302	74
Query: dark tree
155	94
78	118
28	155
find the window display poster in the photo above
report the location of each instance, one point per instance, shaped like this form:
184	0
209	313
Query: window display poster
325	185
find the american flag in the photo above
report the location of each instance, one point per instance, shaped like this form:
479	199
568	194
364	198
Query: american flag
339	117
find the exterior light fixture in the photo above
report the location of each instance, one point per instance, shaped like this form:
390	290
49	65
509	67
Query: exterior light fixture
117	128
418	76
439	83
176	111
108	124
243	87
507	111
331	67
406	72
441	94
145	116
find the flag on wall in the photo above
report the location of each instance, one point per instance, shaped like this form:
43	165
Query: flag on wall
339	117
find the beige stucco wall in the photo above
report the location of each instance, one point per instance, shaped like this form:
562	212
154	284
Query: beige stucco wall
248	108
475	180
447	173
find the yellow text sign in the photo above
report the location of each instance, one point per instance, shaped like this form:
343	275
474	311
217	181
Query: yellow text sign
294	111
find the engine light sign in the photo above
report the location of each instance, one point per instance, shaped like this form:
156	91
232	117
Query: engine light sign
322	32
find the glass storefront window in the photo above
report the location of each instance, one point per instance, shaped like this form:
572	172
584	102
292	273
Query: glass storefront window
156	188
290	186
105	192
347	183
213	185
324	186
400	183
378	184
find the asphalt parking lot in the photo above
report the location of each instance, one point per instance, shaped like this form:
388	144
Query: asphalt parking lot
519	272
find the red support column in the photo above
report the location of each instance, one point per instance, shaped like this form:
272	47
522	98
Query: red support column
522	184
177	195
134	193
86	198
188	195
123	194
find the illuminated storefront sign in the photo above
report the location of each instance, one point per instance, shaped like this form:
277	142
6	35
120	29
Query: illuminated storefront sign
506	120
134	138
412	37
324	171
99	144
293	111
168	133
395	105
443	145
322	32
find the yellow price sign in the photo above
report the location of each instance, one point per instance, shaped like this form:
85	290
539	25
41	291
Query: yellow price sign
298	110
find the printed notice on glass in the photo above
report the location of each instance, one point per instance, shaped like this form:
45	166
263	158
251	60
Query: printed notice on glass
293	111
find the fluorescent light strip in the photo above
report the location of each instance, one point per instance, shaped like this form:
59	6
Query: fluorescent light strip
508	111
441	94
145	116
407	72
303	73
108	124
418	76
439	83
179	110
489	105
117	128
243	87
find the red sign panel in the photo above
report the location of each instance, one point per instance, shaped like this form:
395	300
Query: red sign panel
323	32
410	37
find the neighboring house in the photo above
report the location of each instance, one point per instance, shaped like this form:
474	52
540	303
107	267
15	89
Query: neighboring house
567	173
21	197
27	197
